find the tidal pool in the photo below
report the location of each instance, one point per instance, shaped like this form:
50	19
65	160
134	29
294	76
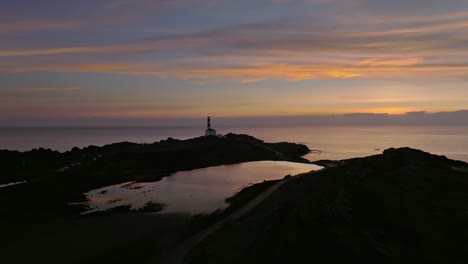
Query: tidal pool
195	191
11	184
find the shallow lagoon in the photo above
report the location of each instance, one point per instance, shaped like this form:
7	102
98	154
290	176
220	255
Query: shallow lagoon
11	184
196	191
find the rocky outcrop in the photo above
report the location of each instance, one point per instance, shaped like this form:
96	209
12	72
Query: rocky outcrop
54	178
403	206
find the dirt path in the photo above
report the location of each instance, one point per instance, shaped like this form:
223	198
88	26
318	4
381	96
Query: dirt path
177	255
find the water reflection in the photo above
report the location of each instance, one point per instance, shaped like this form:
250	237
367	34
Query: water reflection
11	184
196	191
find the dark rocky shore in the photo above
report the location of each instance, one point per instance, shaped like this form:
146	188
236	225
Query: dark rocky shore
404	206
40	225
55	179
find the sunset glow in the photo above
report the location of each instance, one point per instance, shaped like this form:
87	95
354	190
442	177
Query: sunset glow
185	58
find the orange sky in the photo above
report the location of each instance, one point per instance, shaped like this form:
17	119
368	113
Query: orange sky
182	59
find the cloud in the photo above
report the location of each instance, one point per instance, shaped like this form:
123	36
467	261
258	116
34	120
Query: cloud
453	118
55	24
403	6
257	72
288	37
38	25
47	89
277	49
102	68
160	4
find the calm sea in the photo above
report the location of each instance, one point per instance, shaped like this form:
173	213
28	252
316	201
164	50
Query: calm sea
331	142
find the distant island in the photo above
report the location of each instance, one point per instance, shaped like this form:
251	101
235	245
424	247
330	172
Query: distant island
402	206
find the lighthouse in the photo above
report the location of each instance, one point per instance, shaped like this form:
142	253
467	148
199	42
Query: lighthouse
209	131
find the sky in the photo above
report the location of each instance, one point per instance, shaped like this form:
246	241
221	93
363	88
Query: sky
68	61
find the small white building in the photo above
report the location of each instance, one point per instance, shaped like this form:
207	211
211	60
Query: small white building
209	131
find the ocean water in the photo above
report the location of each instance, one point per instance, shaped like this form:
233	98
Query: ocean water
331	142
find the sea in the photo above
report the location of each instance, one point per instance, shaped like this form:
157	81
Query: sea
327	142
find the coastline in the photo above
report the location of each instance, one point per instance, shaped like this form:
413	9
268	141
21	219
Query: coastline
334	198
56	179
334	142
369	209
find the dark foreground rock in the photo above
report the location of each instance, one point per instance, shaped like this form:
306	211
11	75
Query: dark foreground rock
404	206
54	179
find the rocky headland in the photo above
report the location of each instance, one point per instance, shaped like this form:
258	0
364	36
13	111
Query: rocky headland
53	180
403	206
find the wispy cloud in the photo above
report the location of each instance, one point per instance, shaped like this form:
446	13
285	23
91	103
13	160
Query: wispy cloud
278	36
48	89
65	23
276	49
158	3
369	69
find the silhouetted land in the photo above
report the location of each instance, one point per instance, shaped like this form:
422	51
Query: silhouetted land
36	218
54	179
405	206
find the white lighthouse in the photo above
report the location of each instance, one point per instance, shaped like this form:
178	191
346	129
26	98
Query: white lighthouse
209	131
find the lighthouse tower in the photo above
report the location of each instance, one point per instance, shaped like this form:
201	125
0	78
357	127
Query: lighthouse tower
209	131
